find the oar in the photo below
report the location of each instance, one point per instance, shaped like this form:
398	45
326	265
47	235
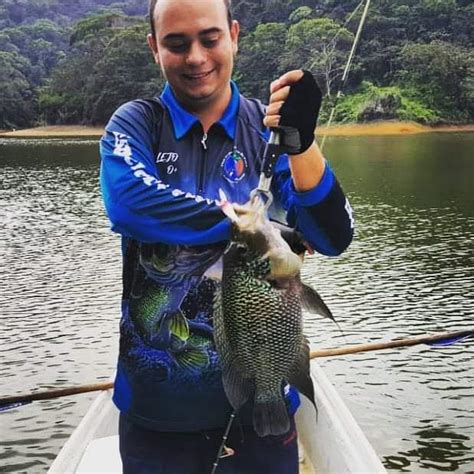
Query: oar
6	403
445	339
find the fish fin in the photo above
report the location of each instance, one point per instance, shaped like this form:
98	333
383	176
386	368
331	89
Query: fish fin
178	325
270	415
176	344
312	301
191	359
237	388
300	373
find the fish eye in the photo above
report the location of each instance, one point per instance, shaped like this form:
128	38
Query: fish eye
242	249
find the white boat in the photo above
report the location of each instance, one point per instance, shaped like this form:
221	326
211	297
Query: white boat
331	444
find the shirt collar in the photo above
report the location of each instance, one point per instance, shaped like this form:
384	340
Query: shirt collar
183	120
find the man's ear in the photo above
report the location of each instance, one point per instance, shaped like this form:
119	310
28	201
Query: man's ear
234	34
151	40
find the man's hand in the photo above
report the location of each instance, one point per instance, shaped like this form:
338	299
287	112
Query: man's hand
295	101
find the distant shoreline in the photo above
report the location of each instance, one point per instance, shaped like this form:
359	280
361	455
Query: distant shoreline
388	128
55	131
357	129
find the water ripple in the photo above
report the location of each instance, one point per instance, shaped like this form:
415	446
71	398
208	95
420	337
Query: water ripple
408	272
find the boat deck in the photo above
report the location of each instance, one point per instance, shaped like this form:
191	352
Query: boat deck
102	456
306	467
333	442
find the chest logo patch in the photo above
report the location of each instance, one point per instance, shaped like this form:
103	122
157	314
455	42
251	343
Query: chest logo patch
234	166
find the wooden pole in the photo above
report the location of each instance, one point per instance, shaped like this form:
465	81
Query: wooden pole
49	394
376	346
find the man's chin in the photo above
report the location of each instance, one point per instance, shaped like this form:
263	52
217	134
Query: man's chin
199	97
200	91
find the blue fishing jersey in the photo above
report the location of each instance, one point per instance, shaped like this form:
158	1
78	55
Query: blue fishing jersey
160	179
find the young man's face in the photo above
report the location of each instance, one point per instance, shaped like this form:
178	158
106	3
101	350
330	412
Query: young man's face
194	46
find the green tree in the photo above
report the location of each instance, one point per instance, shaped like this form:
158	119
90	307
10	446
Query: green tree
42	43
126	71
258	61
320	45
119	68
300	13
442	73
371	103
97	70
17	99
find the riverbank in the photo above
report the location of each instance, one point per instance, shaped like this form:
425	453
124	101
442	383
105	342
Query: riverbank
55	131
358	129
389	128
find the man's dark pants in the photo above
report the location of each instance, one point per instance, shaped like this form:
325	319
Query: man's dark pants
152	452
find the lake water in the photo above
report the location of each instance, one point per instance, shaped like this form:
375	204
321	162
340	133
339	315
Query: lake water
409	271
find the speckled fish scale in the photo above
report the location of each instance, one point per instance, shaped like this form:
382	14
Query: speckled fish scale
258	316
258	332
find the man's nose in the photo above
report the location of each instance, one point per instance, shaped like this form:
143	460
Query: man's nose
196	54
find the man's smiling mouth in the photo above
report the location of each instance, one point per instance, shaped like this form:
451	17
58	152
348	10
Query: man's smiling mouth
197	77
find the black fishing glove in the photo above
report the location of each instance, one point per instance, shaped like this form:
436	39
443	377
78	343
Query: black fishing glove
301	109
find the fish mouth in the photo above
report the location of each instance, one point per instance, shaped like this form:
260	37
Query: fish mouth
236	249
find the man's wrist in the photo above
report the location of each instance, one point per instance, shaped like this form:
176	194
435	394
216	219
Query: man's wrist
307	168
310	151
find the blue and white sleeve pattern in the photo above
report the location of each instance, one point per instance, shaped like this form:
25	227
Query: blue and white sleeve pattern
323	214
138	203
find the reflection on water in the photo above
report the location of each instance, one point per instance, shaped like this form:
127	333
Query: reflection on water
409	271
60	287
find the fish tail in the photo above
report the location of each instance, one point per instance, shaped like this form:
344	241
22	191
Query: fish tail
270	415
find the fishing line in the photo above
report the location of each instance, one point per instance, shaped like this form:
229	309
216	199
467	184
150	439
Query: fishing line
333	40
331	44
347	68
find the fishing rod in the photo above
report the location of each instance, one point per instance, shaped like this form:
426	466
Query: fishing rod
332	43
291	137
345	74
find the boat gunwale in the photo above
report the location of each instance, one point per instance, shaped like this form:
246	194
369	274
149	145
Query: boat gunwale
332	440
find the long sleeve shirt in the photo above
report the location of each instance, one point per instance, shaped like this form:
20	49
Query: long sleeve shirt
160	179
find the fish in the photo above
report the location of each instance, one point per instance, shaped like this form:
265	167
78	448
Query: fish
258	325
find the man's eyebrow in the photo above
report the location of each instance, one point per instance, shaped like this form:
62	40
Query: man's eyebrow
180	36
209	31
173	36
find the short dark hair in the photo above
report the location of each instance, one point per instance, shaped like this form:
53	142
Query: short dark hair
152	6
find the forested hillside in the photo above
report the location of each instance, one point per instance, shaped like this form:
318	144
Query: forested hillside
75	61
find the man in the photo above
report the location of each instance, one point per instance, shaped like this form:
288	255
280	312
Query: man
163	163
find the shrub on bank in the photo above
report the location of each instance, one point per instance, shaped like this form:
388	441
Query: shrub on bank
372	103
